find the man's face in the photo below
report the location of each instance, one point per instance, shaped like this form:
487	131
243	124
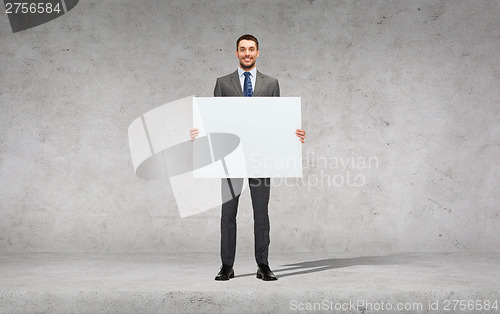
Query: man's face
247	53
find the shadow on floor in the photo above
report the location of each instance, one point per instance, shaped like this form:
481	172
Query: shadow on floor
333	263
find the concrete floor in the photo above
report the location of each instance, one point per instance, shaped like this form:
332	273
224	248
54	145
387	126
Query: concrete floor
184	283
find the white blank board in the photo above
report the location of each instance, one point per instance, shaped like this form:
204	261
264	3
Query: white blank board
266	127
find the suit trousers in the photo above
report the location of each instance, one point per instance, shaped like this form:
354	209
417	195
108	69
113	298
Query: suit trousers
259	191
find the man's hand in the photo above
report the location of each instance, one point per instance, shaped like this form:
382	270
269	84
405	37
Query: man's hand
301	134
194	133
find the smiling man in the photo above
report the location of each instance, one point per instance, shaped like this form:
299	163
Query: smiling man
247	51
246	82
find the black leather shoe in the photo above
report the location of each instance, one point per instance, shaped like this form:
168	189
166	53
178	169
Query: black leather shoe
225	273
265	273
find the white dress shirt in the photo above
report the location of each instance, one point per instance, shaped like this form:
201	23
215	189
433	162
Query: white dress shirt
253	78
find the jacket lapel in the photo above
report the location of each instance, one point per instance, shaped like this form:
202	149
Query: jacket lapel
236	82
258	84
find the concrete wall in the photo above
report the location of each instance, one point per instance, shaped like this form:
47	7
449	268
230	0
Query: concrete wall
399	97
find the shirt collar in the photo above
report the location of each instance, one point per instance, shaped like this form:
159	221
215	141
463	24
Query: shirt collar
253	72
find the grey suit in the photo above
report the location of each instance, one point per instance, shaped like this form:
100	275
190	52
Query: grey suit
230	86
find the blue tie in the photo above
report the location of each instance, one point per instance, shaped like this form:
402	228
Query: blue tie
247	90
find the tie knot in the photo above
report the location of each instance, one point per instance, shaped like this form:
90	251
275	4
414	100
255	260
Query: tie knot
247	74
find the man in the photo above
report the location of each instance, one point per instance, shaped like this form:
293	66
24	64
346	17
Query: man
246	82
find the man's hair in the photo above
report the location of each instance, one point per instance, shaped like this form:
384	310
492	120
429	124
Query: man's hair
247	37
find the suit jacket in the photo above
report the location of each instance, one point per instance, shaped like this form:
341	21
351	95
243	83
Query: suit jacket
230	86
